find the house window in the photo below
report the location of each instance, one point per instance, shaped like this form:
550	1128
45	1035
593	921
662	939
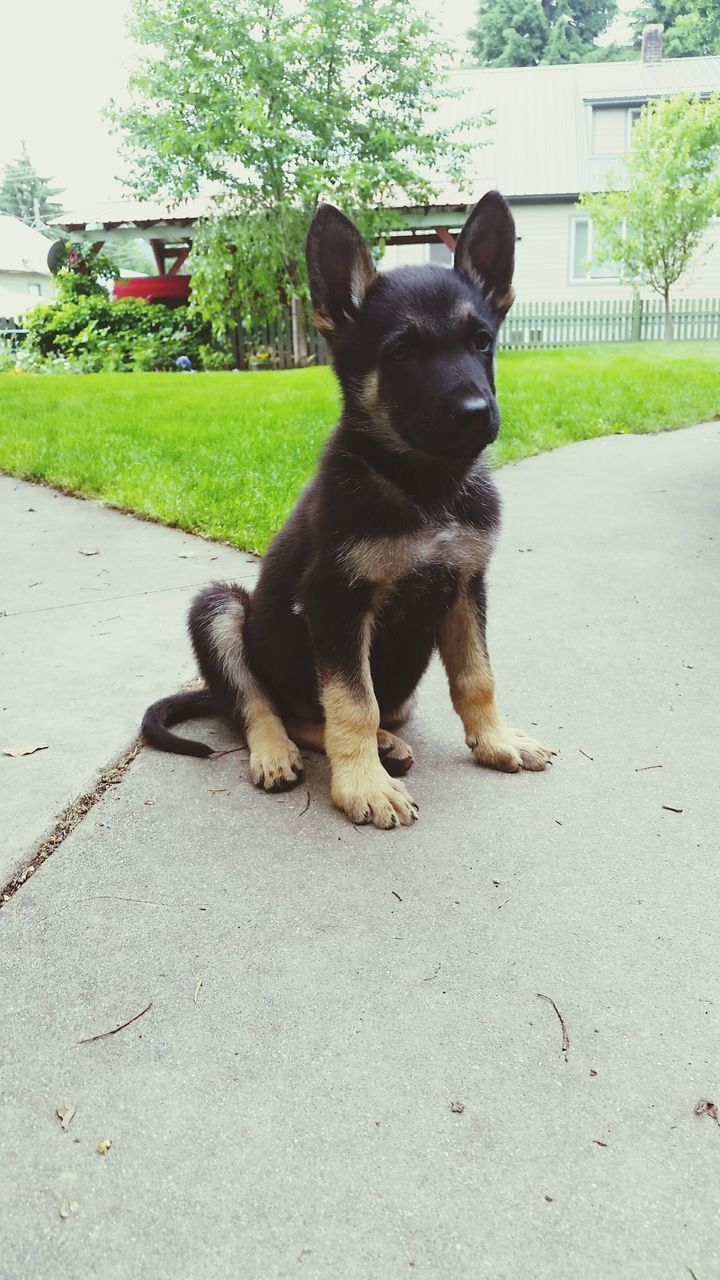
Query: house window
582	267
634	115
35	290
609	130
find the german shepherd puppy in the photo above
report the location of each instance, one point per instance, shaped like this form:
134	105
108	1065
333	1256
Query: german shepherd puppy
384	557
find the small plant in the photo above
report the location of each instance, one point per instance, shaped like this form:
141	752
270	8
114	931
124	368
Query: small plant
7	356
262	358
213	360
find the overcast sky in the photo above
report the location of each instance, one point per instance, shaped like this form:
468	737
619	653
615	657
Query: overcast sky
62	62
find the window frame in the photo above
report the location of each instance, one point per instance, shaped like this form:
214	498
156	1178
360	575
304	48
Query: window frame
632	111
588	278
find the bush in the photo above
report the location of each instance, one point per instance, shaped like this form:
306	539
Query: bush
88	333
213	360
98	335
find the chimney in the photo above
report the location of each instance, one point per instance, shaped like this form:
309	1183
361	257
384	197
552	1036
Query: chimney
652	42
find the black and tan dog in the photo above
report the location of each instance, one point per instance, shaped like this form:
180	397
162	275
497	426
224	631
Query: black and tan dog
384	557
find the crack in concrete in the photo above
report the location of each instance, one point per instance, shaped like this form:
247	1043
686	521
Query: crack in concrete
71	816
130	595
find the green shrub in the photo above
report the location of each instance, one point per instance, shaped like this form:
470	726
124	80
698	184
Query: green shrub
214	361
99	335
84	331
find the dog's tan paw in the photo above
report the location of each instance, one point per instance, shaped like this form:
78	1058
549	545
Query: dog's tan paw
278	770
374	798
396	756
509	750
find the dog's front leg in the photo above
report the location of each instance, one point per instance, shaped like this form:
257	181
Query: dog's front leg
461	639
360	786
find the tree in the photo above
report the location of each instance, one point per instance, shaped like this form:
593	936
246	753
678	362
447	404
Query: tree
653	223
564	43
511	34
277	106
692	27
25	195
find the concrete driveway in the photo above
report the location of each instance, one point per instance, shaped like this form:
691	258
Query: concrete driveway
472	1048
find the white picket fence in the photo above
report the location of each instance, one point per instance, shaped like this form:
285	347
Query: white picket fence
571	324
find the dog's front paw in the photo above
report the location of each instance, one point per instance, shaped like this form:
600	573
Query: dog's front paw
509	750
373	797
278	769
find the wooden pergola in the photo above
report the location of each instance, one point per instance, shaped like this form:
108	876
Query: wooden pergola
169	229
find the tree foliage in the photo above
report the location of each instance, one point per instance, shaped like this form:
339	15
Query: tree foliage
25	195
277	106
692	27
524	34
654	222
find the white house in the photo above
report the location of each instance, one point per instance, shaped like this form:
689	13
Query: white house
558	131
24	274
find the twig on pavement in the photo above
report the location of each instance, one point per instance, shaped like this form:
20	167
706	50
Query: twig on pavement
565	1036
104	1034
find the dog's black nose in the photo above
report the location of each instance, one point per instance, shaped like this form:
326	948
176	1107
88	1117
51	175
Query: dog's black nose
472	418
471	408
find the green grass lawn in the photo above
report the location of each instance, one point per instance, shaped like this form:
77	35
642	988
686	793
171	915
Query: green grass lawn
227	454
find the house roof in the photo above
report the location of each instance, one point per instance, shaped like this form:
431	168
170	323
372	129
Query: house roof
540	143
538	148
109	215
22	248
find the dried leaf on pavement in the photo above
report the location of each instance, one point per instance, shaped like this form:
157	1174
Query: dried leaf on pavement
65	1111
706	1108
104	1146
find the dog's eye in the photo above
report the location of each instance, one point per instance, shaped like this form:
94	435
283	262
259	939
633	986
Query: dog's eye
400	353
481	341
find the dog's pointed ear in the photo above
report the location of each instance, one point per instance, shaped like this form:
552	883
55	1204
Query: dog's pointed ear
340	269
485	251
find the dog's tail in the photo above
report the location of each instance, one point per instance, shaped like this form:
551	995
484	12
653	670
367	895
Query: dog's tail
173	710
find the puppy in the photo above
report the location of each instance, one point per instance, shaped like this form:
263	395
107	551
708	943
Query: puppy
384	557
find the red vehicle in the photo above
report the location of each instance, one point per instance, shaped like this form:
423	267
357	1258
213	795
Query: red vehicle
172	290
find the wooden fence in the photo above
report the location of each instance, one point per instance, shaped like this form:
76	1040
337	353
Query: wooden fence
529	325
271	347
569	324
11	331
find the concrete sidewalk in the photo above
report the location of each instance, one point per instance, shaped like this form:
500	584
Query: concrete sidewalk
346	1069
92	629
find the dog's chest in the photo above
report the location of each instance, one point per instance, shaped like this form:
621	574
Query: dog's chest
447	545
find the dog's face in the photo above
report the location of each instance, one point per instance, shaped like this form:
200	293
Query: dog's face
414	349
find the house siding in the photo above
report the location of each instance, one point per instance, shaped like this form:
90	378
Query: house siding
573	138
543	261
19	282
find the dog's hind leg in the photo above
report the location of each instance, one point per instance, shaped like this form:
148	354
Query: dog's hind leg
396	756
217	625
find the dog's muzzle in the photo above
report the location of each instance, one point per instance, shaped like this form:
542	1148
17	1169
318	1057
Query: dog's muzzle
472	425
